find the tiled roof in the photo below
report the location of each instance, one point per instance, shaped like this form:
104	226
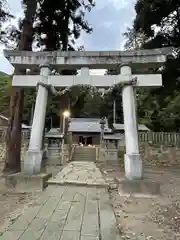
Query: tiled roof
93	125
141	127
86	125
54	133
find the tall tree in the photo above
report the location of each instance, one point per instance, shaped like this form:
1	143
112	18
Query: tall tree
59	25
13	138
4	16
5	87
134	39
159	21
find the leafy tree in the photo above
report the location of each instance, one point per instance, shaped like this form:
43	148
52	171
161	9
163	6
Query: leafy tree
164	15
110	97
159	21
92	103
134	39
4	16
58	21
5	86
13	139
61	23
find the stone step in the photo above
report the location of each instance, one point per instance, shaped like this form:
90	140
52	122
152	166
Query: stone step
82	157
86	156
79	155
84	153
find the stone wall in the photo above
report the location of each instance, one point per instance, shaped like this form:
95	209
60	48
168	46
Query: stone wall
160	155
152	155
157	155
3	150
51	161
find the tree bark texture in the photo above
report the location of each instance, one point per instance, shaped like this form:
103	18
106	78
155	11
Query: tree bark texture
13	135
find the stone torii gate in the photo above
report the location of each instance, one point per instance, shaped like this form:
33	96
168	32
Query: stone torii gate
127	61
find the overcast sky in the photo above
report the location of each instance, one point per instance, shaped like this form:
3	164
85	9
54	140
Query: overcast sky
109	20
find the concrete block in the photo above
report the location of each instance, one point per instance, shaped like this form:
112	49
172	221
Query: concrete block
25	183
142	187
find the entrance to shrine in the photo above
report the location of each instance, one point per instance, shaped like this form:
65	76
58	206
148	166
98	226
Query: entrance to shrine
85	140
126	62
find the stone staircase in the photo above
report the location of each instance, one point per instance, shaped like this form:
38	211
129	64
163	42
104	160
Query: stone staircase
87	154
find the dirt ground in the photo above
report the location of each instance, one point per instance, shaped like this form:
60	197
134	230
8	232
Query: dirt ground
137	218
148	218
12	204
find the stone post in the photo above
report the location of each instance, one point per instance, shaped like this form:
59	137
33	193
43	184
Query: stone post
132	158
35	153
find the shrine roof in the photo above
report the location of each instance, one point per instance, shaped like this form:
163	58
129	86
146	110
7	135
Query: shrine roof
87	125
93	125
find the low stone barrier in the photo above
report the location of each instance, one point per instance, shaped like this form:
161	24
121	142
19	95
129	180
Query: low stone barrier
53	156
156	155
24	148
152	155
160	155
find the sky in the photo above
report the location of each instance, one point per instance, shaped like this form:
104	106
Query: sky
109	19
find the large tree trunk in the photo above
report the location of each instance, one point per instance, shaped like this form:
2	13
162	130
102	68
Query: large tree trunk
13	136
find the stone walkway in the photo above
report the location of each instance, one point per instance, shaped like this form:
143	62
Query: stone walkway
66	213
81	174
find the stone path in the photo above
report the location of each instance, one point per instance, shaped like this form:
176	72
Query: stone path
66	213
79	173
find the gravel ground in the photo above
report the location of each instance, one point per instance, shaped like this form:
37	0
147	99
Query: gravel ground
148	218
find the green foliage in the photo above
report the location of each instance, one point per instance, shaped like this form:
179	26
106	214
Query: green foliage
112	95
58	26
159	21
134	39
5	91
4	16
29	103
164	14
92	104
61	22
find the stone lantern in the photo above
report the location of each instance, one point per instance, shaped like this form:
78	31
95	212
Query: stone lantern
54	137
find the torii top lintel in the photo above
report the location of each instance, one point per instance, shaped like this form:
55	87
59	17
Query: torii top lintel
91	59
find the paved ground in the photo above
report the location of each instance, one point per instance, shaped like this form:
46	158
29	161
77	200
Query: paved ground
65	213
79	173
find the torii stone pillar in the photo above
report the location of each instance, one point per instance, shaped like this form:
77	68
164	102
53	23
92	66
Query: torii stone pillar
132	158
34	155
